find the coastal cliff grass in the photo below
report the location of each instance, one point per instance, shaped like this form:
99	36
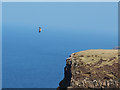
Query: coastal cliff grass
93	56
95	68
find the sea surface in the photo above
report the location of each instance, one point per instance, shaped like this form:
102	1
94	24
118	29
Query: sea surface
37	60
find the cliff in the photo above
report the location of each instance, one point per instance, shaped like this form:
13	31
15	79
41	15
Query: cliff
92	69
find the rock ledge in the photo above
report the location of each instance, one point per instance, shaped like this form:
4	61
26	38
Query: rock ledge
92	69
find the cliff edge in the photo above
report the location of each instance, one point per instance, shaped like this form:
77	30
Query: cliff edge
92	69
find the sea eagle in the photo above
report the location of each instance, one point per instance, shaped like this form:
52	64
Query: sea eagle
39	29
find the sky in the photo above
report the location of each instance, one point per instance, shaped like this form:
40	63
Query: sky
60	0
94	17
67	27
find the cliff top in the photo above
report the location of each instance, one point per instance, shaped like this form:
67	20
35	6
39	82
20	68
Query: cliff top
95	68
108	56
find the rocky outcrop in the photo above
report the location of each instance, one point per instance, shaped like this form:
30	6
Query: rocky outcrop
92	69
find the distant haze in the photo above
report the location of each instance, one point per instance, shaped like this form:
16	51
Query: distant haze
36	60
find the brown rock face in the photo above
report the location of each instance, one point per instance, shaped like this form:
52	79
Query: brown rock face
92	69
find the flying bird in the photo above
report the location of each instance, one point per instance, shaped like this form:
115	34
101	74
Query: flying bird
40	29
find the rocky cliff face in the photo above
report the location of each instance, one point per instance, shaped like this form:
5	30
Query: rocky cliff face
92	69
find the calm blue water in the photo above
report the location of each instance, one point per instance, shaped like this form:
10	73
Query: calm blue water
37	60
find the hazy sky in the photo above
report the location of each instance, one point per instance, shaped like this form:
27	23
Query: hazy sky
67	28
90	17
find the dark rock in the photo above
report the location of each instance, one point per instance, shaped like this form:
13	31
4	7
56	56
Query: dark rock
92	69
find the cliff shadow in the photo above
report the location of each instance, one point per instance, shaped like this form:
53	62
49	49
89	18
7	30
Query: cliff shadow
67	77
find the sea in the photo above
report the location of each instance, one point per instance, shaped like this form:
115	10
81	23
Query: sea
37	60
